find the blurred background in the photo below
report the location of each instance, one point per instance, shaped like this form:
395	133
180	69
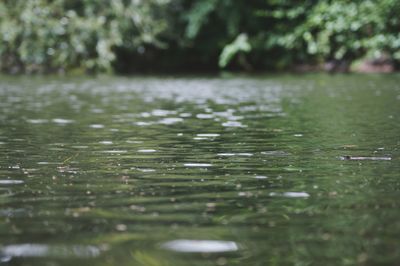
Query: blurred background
140	36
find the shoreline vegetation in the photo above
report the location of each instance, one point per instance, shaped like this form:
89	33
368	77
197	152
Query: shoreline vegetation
158	36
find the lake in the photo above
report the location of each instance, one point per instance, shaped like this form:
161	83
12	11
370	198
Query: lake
236	170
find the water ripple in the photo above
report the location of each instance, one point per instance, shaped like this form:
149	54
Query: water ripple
200	246
10	182
55	251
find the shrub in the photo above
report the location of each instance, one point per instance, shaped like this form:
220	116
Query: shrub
92	35
42	35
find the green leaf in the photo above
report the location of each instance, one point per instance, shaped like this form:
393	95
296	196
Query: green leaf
197	16
240	44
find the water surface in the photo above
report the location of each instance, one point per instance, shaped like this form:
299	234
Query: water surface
200	171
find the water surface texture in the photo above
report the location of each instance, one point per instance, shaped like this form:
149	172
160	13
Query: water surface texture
200	171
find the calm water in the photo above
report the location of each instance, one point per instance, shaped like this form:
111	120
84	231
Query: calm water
200	171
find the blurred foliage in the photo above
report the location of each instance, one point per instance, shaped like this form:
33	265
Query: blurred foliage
38	35
340	30
90	35
239	44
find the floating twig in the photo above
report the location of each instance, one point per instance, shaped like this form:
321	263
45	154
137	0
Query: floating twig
362	158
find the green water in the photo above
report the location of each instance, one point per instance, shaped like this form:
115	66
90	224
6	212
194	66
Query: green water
135	171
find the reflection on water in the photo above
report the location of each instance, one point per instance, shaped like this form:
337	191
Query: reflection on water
294	170
197	164
37	250
291	194
10	182
200	246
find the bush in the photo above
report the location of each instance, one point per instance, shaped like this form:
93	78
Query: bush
92	35
43	35
288	32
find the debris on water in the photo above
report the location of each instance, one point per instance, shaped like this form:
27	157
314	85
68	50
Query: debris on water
346	146
200	246
364	158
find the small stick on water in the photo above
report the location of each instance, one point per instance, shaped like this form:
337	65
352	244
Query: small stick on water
361	158
71	157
